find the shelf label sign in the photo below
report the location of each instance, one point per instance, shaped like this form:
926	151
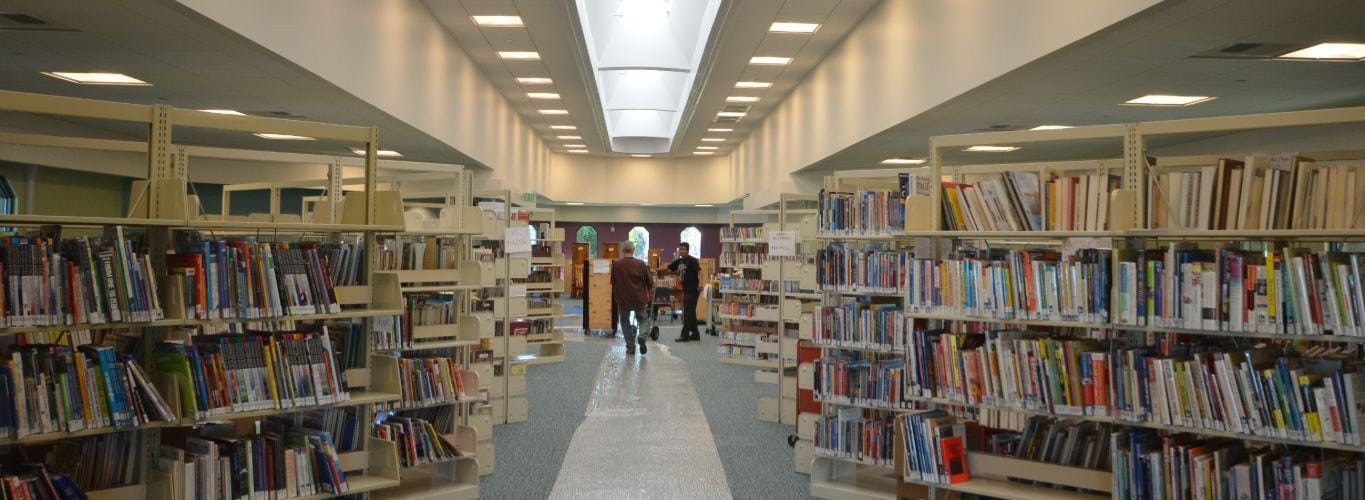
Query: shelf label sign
782	243
518	240
517	290
601	266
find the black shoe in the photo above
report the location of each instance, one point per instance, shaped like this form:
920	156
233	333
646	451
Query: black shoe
644	349
683	338
696	337
654	333
630	352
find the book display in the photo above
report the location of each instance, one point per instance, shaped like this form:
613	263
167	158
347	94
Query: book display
545	285
1042	342
748	312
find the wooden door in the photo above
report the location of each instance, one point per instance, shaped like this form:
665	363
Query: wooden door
611	251
580	257
655	258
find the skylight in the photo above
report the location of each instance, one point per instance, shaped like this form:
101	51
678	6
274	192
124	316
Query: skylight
645	55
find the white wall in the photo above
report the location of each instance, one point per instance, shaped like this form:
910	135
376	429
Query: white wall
664	181
906	57
394	55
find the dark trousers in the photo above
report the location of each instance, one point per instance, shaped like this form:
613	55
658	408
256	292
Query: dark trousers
629	329
690	312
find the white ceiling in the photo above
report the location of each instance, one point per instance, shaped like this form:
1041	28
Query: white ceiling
551	27
1150	53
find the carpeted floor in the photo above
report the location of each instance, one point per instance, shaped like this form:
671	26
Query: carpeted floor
755	455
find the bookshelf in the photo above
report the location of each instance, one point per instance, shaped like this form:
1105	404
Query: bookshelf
795	290
1103	330
544	287
163	213
504	303
748	314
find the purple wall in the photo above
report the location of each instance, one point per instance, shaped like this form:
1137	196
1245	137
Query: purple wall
661	236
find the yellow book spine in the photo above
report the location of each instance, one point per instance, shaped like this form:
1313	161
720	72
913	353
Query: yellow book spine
270	370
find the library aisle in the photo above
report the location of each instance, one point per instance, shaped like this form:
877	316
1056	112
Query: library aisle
673	423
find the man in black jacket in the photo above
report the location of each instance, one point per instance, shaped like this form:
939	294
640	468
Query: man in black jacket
688	269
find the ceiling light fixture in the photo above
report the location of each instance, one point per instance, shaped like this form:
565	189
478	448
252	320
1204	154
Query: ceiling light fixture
1051	127
498	21
902	161
519	55
720	130
1167	100
569	137
284	137
534	80
741	98
770	61
224	112
542	95
563	127
578	151
95	78
707	147
712	139
703	153
703	205
648	204
731	114
574	203
992	149
753	85
794	27
553	111
1330	51
641	156
576	146
382	152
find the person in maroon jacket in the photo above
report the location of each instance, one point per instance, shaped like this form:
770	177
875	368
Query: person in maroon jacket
631	286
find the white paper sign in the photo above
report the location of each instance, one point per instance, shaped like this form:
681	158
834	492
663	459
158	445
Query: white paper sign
601	267
518	240
383	324
782	243
517	290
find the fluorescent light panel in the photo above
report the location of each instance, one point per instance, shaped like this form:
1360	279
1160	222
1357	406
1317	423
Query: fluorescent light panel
741	98
703	205
730	114
95	78
1051	127
1168	100
642	156
720	130
1329	51
574	203
553	111
770	61
569	137
519	55
382	152
902	161
794	27
498	21
576	146
992	149
563	127
703	153
534	80
712	139
231	112
284	137
542	95
707	147
753	85
578	151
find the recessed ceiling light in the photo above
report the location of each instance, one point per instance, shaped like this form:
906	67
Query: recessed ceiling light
574	203
542	95
794	27
575	146
753	85
720	130
992	149
554	111
569	137
703	205
1330	52
531	80
1051	127
578	151
712	139
285	137
902	161
648	204
641	156
773	61
707	147
224	112
703	153
503	21
382	152
95	78
1168	100
512	54
741	98
563	127
731	114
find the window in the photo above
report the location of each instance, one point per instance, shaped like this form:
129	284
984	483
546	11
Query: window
692	237
640	237
587	234
532	230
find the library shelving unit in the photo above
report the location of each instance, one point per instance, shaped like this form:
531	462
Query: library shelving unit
162	212
793	284
1191	319
504	303
747	317
544	287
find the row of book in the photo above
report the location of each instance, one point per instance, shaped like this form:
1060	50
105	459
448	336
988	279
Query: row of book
743	259
860	325
84	280
396	254
429	381
1150	466
241	279
55	388
345	261
739	352
741	233
742	310
278	462
1063	442
422	309
1291	291
1000	202
98	462
223	374
861	213
734	283
866	436
418	441
934	446
846	268
867	379
1015	284
1275	192
731	336
36	481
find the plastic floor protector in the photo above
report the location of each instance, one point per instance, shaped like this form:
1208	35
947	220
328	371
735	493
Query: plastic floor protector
644	435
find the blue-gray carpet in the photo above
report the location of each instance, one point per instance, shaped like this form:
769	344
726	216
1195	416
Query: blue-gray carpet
755	455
